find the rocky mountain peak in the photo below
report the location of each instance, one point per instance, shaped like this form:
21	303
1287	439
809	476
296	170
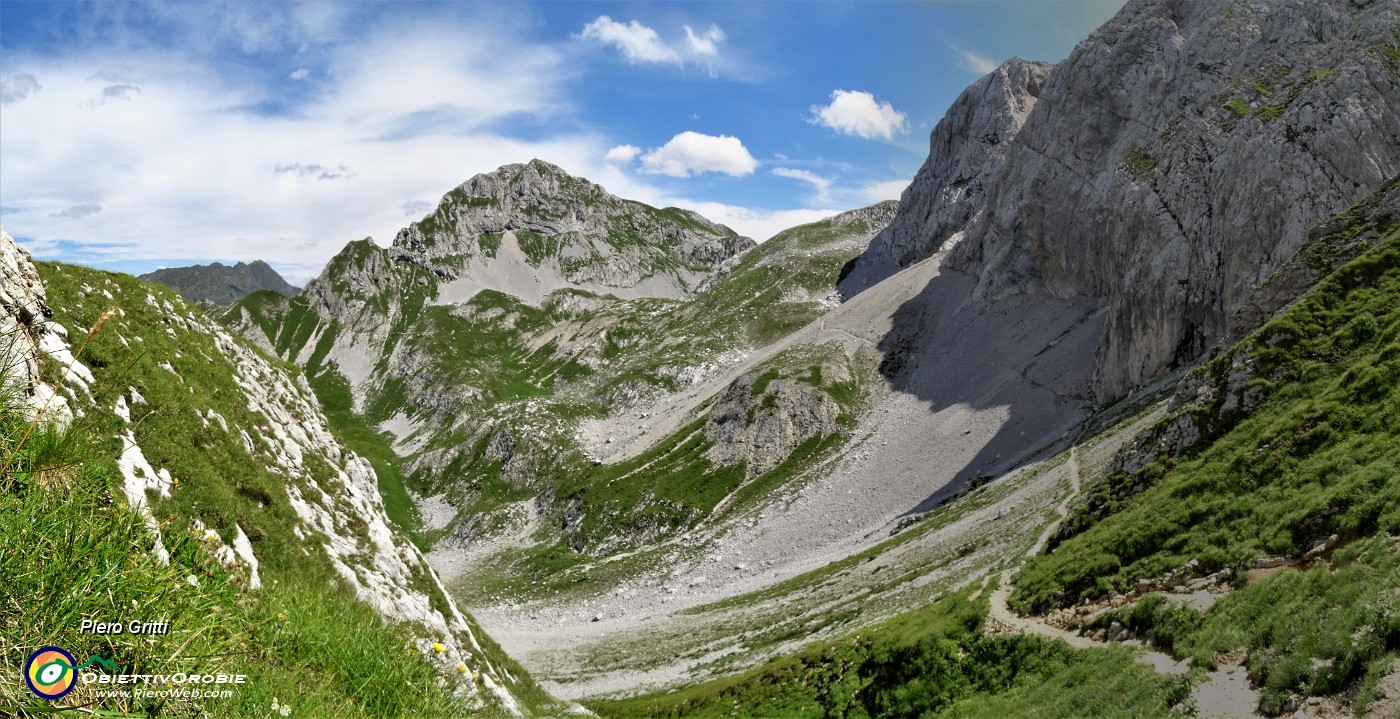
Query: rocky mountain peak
219	283
967	150
535	219
1172	162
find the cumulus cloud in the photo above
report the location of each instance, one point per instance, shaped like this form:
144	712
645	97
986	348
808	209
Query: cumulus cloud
135	157
853	112
642	44
300	73
636	42
694	153
884	190
758	225
972	62
820	185
706	43
18	87
473	78
623	154
82	209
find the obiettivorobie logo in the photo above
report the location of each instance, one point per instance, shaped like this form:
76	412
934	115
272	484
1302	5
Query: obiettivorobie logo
51	672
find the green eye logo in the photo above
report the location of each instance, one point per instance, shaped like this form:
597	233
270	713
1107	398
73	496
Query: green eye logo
50	674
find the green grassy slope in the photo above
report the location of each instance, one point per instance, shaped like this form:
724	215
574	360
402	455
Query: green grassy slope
932	662
73	550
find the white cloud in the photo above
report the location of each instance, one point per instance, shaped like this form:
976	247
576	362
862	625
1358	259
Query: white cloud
82	209
623	154
396	126
857	113
642	44
821	185
884	190
693	153
116	92
300	73
320	172
704	44
973	62
132	157
18	87
756	224
636	42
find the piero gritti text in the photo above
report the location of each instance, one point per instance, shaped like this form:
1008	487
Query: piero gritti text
134	627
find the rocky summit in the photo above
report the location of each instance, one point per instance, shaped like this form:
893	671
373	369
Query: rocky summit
527	230
221	284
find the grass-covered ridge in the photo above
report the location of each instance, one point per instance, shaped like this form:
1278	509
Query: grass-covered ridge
238	451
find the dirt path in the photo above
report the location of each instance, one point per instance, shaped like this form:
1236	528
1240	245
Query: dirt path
1001	619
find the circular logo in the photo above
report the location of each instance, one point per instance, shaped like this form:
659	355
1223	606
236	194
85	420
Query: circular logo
50	673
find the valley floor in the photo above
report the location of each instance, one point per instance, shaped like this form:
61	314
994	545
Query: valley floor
734	596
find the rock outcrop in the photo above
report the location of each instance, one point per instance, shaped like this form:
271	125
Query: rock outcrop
759	422
22	312
1170	164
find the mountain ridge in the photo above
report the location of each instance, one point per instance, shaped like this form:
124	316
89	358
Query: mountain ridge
221	284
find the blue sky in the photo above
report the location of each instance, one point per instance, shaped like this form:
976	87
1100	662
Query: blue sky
140	135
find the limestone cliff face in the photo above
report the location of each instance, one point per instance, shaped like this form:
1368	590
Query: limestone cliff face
1172	162
22	311
967	151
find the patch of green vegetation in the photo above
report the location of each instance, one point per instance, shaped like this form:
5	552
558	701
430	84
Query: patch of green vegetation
490	243
1388	53
760	385
1138	163
1239	107
539	247
365	439
932	662
667	488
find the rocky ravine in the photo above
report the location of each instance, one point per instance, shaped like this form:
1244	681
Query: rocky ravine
1171	163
